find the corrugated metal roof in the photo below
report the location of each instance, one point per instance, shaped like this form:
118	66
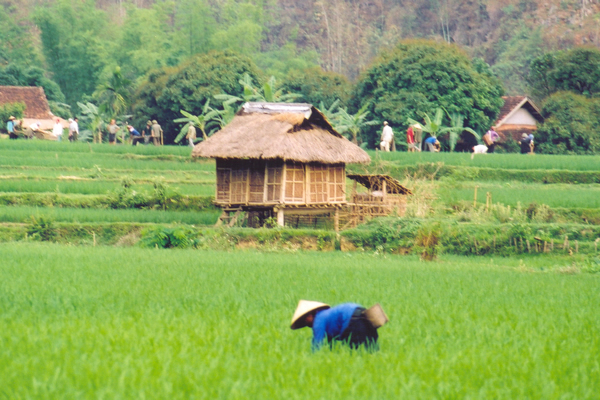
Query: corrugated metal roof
278	108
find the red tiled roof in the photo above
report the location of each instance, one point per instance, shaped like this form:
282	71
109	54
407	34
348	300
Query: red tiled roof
36	104
513	102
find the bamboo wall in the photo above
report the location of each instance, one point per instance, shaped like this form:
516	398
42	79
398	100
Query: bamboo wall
260	182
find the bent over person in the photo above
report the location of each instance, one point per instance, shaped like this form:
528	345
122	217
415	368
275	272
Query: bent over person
348	323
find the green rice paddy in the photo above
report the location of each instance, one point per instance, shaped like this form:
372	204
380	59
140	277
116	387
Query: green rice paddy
97	322
23	214
126	322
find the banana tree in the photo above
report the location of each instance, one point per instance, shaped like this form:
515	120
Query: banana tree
352	124
199	121
267	93
456	129
331	112
434	126
94	119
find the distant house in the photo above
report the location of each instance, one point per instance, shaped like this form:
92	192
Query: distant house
36	105
280	159
518	115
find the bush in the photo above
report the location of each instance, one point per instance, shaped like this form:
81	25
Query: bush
42	228
10	109
180	237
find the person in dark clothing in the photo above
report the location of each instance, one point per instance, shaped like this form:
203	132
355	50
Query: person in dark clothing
147	132
525	144
347	323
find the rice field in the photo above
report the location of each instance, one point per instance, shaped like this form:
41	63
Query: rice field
83	322
503	161
92	186
24	214
512	193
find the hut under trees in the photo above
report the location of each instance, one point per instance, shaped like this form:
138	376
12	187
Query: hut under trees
36	107
518	115
276	160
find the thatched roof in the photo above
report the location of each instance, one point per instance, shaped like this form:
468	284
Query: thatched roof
375	182
297	132
36	104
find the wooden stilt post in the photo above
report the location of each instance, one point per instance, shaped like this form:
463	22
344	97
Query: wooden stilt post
475	197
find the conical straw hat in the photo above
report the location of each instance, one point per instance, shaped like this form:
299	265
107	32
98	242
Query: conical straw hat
304	307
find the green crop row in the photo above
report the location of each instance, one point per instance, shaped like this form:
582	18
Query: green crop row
76	186
24	214
494	161
565	197
460	173
117	200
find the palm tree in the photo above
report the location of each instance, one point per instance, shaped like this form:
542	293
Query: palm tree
113	94
353	123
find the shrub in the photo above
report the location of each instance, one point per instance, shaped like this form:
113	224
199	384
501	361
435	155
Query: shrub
42	228
180	237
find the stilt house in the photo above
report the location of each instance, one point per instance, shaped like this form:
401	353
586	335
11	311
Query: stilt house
277	159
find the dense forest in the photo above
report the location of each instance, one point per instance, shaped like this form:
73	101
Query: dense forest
118	53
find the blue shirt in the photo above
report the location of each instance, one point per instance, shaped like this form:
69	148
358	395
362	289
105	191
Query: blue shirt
134	132
10	126
431	139
331	322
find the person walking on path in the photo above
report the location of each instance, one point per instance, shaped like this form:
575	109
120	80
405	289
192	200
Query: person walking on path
113	128
387	137
191	135
10	128
157	133
57	130
348	323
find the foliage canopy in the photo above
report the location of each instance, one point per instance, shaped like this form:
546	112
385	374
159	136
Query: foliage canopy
419	75
570	126
187	87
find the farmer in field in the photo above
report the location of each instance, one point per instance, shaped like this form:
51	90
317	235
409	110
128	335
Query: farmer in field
490	138
156	133
433	144
113	128
147	132
525	144
10	128
347	323
387	137
191	135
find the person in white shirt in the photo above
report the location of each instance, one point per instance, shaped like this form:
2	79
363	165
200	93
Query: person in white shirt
387	137
58	130
73	130
480	149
